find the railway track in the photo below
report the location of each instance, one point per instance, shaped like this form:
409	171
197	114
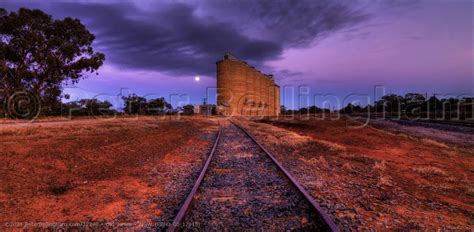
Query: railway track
242	186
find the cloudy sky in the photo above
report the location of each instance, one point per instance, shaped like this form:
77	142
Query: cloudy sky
346	50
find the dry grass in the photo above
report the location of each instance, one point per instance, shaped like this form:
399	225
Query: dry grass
294	139
429	171
470	191
331	145
435	143
437	137
380	165
96	169
384	180
347	166
405	165
277	135
8	132
319	161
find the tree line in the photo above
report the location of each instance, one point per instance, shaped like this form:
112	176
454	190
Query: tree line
409	105
415	104
132	105
303	110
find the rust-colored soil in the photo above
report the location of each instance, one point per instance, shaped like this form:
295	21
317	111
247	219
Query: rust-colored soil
369	178
97	170
129	171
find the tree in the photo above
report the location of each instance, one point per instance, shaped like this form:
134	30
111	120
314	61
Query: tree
467	107
350	108
468	100
134	104
213	109
73	108
413	103
158	106
87	107
303	110
188	109
393	102
39	55
316	110
432	105
414	98
96	107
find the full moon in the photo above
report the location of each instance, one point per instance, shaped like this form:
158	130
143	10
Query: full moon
197	78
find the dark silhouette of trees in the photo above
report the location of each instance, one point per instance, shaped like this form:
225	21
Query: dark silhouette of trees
392	102
134	104
188	109
415	105
317	110
213	109
303	110
414	98
432	104
38	55
158	106
350	108
87	107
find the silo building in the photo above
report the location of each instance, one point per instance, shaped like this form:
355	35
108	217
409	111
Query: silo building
244	90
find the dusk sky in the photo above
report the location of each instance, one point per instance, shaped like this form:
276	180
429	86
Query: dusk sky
157	48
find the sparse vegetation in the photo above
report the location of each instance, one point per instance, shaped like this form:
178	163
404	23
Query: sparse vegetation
415	105
95	170
134	104
87	107
188	109
429	171
368	171
380	165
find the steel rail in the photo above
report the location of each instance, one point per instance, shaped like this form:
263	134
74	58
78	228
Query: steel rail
325	217
185	207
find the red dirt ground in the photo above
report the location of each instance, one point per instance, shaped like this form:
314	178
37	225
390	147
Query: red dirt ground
96	170
129	170
373	179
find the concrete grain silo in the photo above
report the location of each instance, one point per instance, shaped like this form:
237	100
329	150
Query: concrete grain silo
266	88
252	91
243	90
271	95
224	87
277	100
